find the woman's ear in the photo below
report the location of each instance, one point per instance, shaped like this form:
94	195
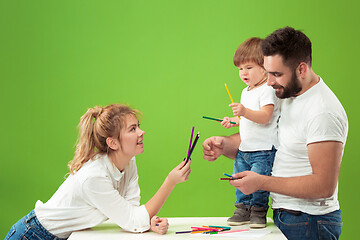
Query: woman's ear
114	144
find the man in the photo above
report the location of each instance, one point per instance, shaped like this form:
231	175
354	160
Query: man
313	128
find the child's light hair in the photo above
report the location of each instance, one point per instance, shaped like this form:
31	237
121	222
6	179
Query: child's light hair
249	51
95	126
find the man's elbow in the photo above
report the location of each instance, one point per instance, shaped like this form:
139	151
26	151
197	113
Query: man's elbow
327	192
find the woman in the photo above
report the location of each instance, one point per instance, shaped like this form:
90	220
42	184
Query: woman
103	182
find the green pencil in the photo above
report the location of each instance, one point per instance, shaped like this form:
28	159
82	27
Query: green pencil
216	119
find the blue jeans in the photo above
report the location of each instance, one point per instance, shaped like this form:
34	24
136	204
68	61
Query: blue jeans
260	162
305	226
29	228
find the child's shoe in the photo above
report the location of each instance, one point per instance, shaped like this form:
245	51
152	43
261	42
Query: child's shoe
257	217
241	215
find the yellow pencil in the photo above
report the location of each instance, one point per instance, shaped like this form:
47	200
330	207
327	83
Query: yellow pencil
227	89
232	100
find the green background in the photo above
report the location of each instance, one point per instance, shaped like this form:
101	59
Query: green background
169	59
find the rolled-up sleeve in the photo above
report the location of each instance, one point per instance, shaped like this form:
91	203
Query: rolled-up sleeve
101	194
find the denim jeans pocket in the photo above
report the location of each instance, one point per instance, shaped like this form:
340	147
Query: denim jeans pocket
291	220
293	227
329	230
31	235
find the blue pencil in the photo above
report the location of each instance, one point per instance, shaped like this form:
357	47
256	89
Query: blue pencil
228	175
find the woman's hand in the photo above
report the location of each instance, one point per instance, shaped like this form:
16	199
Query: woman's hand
159	225
180	173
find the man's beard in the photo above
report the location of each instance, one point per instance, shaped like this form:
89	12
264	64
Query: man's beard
291	90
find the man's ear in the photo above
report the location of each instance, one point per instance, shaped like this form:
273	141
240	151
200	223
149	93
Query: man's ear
302	70
113	143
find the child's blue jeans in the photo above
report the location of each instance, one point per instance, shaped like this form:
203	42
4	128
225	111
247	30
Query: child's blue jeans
30	228
305	226
260	162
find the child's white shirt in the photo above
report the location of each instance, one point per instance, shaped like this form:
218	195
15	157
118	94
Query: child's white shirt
255	136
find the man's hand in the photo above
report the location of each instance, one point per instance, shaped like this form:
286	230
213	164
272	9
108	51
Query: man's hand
248	182
213	148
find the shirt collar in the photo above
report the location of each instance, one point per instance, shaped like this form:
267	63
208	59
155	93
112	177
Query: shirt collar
115	173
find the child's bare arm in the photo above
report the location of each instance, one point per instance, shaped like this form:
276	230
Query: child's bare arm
262	116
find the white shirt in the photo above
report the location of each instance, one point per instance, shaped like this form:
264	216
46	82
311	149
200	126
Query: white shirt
95	193
314	116
255	136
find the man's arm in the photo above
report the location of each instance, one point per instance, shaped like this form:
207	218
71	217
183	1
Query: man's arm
231	145
216	146
325	160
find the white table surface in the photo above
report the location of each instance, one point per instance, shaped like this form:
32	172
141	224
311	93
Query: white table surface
110	231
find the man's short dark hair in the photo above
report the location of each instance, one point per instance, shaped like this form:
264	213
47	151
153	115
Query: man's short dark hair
293	45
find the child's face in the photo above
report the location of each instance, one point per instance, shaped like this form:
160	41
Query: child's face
251	73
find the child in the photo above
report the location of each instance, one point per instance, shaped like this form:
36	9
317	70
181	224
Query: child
259	112
103	182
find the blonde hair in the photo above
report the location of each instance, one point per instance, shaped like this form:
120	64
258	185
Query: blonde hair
249	51
95	126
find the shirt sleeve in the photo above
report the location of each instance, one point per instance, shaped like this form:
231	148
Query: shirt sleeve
326	127
101	194
268	97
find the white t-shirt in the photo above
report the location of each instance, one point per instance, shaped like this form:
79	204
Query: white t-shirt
95	193
255	136
314	116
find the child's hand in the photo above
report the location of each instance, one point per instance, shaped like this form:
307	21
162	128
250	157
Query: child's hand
238	109
159	225
180	173
226	122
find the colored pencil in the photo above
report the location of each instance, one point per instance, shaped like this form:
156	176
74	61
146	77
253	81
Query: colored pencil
217	119
226	178
228	175
218	227
227	89
193	146
191	137
183	232
232	100
191	231
206	228
232	231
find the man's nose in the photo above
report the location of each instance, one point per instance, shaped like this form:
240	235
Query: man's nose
270	80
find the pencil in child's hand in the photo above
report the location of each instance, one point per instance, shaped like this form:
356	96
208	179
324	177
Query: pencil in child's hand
227	89
232	100
217	119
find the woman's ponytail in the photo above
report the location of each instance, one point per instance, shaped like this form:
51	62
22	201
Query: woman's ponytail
85	148
95	126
